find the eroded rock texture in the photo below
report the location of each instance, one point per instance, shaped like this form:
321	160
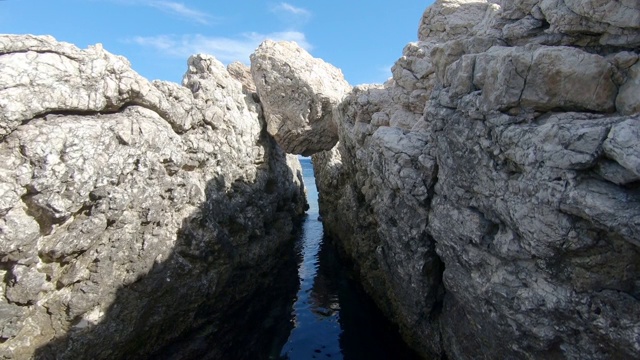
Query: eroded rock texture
298	93
131	211
488	193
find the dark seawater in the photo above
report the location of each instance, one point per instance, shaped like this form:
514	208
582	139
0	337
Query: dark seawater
331	316
305	306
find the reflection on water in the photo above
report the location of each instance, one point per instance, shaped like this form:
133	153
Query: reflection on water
331	316
316	308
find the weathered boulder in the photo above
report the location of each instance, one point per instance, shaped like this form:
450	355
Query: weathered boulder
298	94
488	193
131	212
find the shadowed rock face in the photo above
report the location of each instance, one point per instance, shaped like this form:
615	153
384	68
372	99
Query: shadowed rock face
298	93
131	212
489	192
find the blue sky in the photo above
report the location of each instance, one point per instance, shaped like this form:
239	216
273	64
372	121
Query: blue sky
363	38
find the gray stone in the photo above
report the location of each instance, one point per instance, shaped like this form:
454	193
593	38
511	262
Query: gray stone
502	220
614	172
298	93
607	206
448	19
544	79
622	144
555	81
627	101
625	13
128	206
10	314
39	77
525	27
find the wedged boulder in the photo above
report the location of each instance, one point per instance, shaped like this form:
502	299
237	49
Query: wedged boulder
298	93
131	212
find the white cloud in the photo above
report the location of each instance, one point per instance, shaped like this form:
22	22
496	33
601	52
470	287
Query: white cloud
286	7
171	7
181	10
290	13
224	49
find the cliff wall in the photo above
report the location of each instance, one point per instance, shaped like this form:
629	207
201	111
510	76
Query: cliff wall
488	193
133	212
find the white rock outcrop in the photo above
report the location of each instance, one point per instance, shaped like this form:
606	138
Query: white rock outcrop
298	93
488	193
127	206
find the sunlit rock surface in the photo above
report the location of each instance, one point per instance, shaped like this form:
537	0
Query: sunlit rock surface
488	193
131	211
298	93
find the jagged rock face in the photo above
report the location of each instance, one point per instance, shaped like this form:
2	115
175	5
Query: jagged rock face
498	215
130	211
298	93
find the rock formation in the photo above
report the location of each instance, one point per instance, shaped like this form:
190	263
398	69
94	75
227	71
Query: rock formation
132	212
298	93
488	193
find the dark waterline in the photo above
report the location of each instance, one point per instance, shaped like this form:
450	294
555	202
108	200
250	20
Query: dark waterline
332	317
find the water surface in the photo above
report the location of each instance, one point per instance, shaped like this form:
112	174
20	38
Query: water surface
331	316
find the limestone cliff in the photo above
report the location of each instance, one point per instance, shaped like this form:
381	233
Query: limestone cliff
488	193
132	212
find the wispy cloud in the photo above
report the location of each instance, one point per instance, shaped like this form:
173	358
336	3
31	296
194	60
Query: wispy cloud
181	10
286	7
290	13
175	8
224	49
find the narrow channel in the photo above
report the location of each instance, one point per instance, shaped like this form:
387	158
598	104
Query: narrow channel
331	316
